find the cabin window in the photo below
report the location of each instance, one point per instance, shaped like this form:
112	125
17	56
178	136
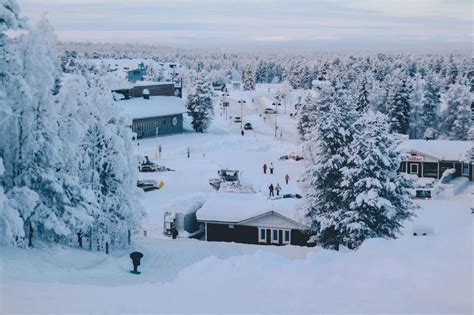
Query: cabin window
275	236
465	169
286	237
231	226
262	235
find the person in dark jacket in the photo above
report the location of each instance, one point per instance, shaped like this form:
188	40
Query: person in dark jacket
136	256
242	132
264	168
174	232
270	188
287	178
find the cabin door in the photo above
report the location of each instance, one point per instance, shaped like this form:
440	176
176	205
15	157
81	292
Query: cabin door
414	168
269	236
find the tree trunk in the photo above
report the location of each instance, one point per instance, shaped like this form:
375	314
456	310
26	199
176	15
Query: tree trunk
30	236
79	239
129	237
107	248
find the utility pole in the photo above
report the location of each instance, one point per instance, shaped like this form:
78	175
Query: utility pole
241	102
276	118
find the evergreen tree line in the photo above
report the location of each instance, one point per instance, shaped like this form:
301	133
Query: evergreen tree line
425	96
353	191
67	172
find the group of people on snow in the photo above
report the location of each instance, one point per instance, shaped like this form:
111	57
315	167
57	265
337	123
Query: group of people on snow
277	188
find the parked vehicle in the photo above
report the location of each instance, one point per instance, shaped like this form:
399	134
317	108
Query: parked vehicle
229	181
237	119
291	157
147	166
149	184
269	111
297	196
248	126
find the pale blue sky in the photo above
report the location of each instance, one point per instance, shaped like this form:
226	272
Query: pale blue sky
262	23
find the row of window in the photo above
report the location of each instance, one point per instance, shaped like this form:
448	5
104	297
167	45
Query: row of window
147	125
273	236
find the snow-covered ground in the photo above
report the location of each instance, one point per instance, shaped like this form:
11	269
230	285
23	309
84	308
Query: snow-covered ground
414	274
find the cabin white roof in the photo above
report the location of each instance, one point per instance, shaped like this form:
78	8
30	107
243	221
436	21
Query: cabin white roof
234	207
156	106
444	150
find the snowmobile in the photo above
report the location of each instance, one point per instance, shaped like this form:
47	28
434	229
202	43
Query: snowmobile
229	181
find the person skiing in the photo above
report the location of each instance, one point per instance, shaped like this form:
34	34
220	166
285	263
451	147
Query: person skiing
270	188
242	132
271	168
287	178
278	189
265	168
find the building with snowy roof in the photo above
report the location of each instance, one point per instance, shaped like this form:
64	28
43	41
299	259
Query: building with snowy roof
154	115
430	158
154	88
252	219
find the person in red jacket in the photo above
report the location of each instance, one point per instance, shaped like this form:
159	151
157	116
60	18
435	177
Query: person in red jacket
287	178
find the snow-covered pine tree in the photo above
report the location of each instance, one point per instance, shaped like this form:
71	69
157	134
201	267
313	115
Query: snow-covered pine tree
307	113
11	223
457	115
416	103
109	169
325	155
430	108
363	96
398	104
379	197
199	104
248	83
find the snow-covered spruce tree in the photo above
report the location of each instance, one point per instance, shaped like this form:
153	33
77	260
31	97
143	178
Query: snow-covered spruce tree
379	197
363	96
11	223
326	155
13	89
416	103
430	107
398	105
307	115
108	168
457	115
248	83
30	151
199	104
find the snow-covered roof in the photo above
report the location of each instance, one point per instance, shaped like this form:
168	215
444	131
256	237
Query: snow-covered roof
130	85
137	108
445	150
233	207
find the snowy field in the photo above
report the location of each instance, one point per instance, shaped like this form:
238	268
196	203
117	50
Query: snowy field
414	274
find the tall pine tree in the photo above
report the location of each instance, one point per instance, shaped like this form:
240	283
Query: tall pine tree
199	104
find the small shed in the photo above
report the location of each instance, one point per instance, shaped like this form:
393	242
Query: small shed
137	74
252	219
